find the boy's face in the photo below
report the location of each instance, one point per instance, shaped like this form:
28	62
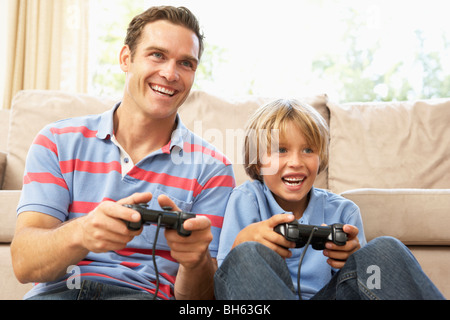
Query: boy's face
298	165
162	71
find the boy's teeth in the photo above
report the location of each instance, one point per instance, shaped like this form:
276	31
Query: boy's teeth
293	181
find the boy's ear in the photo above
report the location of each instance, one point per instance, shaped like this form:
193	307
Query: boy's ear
125	58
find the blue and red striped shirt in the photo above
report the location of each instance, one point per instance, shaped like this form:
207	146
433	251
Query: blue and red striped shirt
73	165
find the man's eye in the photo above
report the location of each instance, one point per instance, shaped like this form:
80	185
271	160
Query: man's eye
187	64
157	55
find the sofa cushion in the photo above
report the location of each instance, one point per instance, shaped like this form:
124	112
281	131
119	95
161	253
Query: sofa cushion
222	121
390	145
2	167
8	204
414	216
4	126
10	287
434	261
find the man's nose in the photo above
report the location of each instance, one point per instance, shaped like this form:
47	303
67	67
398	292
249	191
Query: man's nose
170	71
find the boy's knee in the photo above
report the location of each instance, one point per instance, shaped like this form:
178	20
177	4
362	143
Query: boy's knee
386	249
388	244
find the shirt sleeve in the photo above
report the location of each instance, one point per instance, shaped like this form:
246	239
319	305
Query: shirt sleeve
241	211
44	187
353	217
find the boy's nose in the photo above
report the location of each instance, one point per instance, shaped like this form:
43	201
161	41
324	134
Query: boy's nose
295	160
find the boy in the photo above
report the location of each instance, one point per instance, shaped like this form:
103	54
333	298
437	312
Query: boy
262	264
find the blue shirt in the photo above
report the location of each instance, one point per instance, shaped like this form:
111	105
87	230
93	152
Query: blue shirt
73	165
253	202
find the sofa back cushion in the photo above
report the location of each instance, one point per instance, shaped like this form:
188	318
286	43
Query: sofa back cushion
218	120
390	145
4	128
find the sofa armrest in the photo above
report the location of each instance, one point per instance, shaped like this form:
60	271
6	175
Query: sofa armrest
414	216
2	167
8	205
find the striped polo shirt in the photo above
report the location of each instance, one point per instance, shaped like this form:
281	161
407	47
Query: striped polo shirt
74	164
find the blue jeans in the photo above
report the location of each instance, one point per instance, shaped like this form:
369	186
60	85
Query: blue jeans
252	271
90	290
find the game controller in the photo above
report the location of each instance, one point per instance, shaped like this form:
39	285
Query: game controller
300	233
168	218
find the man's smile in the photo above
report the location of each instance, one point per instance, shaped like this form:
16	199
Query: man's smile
162	90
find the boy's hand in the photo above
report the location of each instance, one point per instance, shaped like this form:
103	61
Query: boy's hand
263	232
338	255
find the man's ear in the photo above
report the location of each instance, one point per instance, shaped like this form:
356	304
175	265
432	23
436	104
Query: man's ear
125	58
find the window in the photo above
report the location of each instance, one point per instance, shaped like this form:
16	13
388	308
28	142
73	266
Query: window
358	50
353	50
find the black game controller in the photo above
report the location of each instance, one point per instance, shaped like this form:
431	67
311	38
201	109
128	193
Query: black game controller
300	233
169	218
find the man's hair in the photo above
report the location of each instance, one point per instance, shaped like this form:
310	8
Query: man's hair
176	15
275	116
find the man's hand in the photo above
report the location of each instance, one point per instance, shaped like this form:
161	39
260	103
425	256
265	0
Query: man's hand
104	228
196	272
192	250
338	255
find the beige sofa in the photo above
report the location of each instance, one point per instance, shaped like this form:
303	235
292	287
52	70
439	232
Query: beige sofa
392	159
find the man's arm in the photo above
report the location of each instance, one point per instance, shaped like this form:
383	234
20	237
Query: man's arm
43	247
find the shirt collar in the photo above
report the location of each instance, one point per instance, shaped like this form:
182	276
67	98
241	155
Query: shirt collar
106	126
272	203
313	213
106	130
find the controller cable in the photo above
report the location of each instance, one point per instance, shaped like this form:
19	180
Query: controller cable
158	226
301	259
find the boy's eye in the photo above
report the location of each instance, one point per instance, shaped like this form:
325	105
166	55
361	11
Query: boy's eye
308	150
282	150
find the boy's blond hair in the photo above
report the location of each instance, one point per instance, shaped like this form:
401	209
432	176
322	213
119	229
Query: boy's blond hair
274	116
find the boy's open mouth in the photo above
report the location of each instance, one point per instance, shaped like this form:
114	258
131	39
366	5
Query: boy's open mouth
293	181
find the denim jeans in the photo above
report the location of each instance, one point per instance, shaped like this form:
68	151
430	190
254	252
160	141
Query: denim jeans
90	290
254	272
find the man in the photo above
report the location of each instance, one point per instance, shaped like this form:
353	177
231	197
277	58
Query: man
81	171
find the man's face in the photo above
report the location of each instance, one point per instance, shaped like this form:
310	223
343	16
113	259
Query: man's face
161	73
